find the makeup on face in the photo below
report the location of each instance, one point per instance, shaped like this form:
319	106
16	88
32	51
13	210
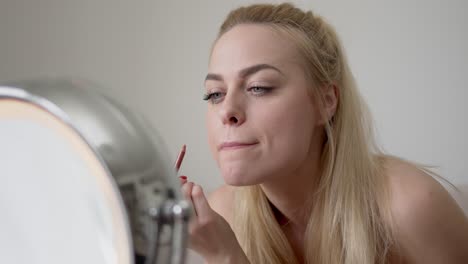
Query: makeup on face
254	87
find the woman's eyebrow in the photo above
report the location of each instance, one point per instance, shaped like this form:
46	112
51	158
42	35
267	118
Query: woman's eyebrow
244	72
255	68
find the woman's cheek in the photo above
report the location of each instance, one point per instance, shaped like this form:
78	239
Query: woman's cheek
212	134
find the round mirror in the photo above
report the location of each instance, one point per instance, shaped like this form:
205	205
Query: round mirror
85	180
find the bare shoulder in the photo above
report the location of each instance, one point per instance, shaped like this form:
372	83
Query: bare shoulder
222	201
429	225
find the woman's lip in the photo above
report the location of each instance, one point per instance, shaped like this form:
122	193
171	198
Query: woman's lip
235	145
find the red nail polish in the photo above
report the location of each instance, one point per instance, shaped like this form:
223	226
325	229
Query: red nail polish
183	177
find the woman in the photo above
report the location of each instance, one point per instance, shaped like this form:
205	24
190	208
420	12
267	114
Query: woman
304	181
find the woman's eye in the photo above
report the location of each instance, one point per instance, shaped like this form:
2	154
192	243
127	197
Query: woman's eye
259	90
213	97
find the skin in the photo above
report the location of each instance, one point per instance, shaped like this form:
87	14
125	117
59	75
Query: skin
279	135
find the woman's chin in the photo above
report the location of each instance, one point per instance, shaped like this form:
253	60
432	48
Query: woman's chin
236	177
237	182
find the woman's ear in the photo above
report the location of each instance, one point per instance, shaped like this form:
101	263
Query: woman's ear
331	95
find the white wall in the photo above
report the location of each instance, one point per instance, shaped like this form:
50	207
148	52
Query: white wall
410	59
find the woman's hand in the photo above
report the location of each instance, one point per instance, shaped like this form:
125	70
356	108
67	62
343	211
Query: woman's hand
210	234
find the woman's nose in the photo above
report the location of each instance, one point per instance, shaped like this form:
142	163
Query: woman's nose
232	111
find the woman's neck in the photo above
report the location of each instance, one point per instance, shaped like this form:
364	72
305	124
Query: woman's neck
291	197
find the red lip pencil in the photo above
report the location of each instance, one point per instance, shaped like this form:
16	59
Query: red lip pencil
180	158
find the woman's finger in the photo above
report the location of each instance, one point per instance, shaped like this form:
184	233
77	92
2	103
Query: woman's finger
183	179
200	203
187	190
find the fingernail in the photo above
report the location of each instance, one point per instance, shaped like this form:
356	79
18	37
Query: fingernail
183	177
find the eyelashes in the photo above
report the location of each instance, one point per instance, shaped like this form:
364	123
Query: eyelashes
211	96
216	97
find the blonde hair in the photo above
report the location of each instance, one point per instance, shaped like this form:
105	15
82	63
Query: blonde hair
349	218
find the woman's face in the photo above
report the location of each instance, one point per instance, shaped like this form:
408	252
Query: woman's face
261	120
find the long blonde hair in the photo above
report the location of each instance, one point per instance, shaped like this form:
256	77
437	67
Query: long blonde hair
348	221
